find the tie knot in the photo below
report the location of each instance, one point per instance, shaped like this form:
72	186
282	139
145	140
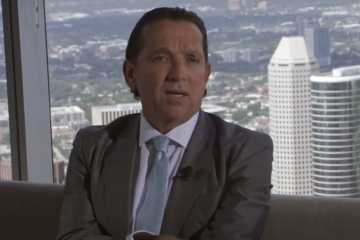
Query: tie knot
161	143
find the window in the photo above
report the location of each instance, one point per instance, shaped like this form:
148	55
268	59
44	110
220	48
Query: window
86	42
23	36
5	149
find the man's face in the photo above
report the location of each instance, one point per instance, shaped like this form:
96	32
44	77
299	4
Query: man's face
170	72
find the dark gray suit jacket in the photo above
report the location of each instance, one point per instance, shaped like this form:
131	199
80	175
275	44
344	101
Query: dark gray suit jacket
227	197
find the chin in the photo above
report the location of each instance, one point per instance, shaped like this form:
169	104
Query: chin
175	114
178	115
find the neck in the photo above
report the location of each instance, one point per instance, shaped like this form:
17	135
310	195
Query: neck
161	125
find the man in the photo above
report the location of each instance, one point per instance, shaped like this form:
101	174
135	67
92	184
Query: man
172	171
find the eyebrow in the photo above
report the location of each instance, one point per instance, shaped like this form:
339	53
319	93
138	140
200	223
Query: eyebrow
166	50
194	53
157	51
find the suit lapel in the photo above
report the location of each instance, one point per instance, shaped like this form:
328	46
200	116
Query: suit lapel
120	174
183	194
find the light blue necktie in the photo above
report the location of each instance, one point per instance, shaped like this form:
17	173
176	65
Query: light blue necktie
151	212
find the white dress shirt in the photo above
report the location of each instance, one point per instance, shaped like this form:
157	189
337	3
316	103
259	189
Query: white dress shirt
179	138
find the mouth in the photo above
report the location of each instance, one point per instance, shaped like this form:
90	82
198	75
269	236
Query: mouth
177	93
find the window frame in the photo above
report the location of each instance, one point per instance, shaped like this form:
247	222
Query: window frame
26	61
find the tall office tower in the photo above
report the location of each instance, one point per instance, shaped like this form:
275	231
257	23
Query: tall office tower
250	55
289	74
263	6
234	5
59	171
231	55
336	132
304	23
318	40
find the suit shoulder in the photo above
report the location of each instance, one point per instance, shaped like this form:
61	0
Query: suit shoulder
231	133
114	128
89	131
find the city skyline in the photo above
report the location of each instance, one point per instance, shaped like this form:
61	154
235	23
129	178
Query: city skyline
87	42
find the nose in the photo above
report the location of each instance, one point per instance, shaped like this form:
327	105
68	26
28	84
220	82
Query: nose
177	71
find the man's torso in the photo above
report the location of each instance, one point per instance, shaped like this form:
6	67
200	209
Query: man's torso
111	156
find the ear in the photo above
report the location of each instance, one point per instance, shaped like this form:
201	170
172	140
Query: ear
207	72
129	74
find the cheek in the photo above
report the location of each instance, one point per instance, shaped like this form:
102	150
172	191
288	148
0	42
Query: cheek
150	83
199	83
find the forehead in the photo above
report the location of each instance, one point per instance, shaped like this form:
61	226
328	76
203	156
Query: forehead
171	34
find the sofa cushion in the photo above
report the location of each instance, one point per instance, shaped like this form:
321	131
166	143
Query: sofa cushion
313	218
29	211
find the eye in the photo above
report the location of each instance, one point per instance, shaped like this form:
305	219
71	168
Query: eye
160	58
194	60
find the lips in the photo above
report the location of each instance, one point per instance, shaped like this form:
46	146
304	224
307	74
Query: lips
176	93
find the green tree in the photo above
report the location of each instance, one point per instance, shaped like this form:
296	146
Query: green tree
6	140
239	115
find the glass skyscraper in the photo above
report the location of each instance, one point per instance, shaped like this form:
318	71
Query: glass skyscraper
336	132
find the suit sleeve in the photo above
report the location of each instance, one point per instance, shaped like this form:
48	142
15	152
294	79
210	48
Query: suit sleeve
77	220
245	203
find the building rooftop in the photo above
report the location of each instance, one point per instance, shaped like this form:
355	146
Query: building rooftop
351	26
344	74
212	108
119	107
62	110
292	50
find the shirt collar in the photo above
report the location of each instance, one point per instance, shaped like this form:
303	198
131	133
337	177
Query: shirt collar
181	134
